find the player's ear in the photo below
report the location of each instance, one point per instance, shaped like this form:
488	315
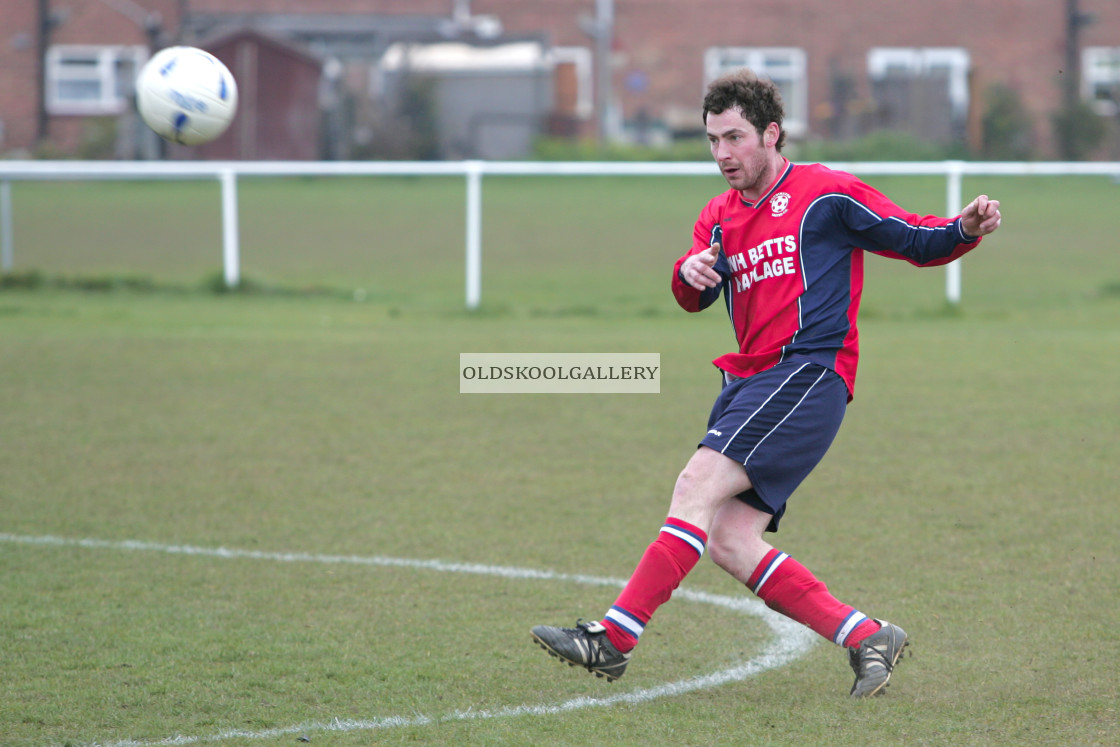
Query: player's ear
770	135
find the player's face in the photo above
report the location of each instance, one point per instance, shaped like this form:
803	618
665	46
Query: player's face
738	149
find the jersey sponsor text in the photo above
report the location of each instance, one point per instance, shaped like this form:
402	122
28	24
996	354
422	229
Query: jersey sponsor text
770	259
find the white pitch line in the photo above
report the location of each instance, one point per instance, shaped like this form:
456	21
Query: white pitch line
790	641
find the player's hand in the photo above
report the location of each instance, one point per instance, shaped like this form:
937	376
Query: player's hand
697	270
981	216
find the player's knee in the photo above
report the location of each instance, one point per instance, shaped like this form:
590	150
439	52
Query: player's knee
686	482
686	494
736	552
721	550
732	554
691	490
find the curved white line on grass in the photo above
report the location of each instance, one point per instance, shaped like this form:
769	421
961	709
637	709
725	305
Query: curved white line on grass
789	643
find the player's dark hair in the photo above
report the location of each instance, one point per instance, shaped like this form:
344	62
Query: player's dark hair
758	99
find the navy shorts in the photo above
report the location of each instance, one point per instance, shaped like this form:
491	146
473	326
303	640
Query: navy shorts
778	424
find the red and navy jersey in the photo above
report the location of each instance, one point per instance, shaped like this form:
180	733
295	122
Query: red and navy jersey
792	264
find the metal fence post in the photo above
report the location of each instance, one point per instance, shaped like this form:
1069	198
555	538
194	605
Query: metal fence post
7	249
474	234
954	172
231	251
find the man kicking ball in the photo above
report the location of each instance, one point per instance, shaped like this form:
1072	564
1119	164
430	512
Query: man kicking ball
784	247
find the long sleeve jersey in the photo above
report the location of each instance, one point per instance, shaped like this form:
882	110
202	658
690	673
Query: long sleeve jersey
792	265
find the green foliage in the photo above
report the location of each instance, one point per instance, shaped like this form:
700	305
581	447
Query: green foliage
106	283
46	150
27	279
1006	125
882	145
215	282
97	141
564	149
1079	131
98	282
99	138
409	132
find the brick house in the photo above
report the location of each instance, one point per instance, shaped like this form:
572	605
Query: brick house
936	69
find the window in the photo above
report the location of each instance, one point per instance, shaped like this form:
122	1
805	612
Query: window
1100	79
91	80
948	62
785	66
922	91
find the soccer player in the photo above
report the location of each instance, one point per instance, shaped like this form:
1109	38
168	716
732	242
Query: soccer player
785	248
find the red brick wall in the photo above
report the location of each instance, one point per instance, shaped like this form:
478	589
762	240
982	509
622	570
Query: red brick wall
1017	42
376	7
94	21
19	89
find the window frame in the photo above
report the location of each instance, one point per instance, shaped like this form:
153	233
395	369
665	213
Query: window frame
920	61
1100	66
794	74
113	92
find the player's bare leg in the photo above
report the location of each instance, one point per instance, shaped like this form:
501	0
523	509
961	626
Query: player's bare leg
736	539
604	648
705	485
737	545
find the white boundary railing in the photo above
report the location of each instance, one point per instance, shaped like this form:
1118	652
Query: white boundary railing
227	173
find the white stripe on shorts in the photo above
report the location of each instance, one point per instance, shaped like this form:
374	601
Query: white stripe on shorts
779	424
767	401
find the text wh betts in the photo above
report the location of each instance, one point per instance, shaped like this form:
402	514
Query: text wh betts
772	258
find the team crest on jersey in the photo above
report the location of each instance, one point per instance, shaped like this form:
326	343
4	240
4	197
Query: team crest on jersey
779	204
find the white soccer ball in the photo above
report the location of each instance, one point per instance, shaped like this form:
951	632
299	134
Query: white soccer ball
186	95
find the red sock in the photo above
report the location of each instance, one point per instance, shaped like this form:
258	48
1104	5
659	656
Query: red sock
664	565
790	588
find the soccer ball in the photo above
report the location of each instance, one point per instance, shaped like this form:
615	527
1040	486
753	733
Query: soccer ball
186	95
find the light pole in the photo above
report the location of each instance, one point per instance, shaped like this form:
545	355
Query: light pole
601	30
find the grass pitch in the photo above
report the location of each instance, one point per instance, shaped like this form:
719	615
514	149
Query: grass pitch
970	495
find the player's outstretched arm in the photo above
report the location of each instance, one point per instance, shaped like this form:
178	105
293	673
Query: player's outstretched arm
981	216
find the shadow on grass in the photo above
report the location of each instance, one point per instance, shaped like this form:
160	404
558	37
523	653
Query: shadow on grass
1110	289
214	283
